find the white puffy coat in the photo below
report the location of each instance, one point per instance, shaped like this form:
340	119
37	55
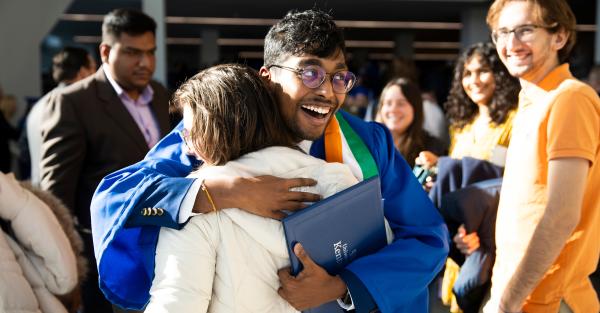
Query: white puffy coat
227	261
40	263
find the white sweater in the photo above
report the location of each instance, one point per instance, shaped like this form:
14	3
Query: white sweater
227	261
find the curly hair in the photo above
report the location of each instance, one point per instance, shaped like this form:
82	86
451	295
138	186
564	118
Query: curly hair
460	109
303	32
234	113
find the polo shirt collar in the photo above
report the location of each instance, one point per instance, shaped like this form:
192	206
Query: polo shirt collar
555	77
550	82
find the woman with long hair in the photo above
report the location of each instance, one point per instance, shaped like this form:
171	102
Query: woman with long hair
480	107
401	111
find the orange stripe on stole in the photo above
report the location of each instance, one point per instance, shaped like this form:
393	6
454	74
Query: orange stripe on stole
333	142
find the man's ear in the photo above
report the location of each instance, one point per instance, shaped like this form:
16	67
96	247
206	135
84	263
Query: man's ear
104	52
560	39
264	73
81	74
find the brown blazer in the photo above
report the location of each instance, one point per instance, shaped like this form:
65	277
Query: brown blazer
88	133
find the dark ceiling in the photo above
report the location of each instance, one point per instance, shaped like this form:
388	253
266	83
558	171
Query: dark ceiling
346	10
431	43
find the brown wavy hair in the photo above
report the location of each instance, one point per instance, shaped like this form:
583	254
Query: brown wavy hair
460	109
412	141
234	113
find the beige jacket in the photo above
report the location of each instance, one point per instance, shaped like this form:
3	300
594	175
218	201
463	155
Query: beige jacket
38	263
227	262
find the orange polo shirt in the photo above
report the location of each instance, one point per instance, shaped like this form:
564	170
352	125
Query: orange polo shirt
559	119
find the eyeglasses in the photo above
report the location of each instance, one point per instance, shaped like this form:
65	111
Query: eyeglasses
523	33
313	76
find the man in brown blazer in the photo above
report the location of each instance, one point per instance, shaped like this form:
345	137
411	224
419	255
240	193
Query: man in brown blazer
103	123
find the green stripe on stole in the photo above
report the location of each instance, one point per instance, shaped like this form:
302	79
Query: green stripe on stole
360	151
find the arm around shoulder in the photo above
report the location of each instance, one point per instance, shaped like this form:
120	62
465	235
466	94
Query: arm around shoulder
158	181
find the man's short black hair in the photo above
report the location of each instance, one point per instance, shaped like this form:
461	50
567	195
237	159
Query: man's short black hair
129	21
67	63
303	32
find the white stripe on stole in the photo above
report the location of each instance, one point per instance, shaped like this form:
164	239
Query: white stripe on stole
349	158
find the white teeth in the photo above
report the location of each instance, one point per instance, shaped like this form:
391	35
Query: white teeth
320	110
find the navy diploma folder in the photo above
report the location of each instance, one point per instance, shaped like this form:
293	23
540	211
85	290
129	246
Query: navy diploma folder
338	229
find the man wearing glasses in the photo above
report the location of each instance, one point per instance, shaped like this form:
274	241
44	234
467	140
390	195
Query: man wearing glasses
547	225
305	61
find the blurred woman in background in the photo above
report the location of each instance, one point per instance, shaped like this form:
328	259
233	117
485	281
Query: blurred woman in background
401	110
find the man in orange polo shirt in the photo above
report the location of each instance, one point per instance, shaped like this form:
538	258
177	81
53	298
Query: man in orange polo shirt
547	226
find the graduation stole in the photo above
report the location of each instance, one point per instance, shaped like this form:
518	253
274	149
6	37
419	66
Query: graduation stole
343	145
